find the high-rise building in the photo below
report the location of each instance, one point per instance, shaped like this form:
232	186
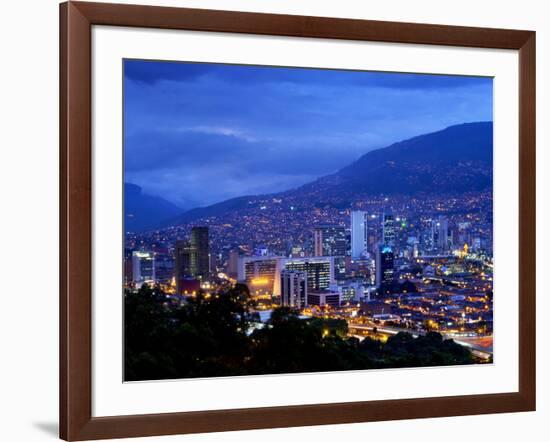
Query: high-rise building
143	267
339	267
430	238
320	270
192	258
437	238
128	272
200	252
293	288
330	241
233	263
388	230
384	268
258	273
350	291
361	268
164	268
442	233
182	264
359	234
262	274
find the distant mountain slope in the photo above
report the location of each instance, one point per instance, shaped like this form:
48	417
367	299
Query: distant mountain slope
229	205
144	211
457	159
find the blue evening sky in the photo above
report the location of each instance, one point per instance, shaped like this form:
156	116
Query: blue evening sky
197	134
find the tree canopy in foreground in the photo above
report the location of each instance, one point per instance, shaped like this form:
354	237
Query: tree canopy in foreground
210	336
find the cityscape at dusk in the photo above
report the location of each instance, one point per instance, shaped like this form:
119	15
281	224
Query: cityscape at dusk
287	220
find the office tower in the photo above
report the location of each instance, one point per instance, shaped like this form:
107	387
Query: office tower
438	237
350	291
359	234
233	263
384	268
330	241
182	264
192	258
143	267
427	241
361	268
339	267
293	289
258	273
442	234
164	268
262	274
318	241
388	230
324	298
128	272
430	237
319	270
200	252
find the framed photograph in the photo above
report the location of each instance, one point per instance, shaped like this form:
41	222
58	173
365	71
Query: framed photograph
274	220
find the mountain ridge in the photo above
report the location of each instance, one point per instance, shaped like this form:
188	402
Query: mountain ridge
419	163
456	159
143	211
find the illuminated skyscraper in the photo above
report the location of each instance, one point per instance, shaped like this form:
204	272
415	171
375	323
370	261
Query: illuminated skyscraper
293	288
320	270
128	272
192	258
200	252
384	268
359	234
438	238
258	273
442	234
350	290
182	263
233	263
388	230
330	241
143	267
164	268
429	238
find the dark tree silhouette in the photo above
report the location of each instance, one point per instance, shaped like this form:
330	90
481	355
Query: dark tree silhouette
212	335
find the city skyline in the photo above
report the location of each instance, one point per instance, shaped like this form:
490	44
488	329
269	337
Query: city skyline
317	255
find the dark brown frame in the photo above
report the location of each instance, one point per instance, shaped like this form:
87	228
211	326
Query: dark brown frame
76	421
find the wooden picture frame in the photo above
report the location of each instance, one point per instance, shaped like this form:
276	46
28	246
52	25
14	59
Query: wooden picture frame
76	21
